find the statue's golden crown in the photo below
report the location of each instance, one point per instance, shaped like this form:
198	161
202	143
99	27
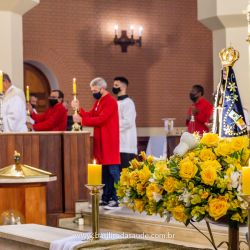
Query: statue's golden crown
229	56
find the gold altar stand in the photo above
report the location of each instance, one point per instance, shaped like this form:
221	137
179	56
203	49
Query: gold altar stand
65	154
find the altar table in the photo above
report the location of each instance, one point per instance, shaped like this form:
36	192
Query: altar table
65	154
160	145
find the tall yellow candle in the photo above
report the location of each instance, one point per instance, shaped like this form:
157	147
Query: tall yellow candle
1	82
94	174
246	180
74	86
28	94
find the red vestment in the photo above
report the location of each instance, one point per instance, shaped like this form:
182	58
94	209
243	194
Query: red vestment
53	119
205	112
105	120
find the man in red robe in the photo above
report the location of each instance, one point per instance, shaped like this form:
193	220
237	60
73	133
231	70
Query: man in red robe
201	109
54	118
105	120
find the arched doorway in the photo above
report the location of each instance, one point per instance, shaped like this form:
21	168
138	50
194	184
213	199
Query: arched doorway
38	84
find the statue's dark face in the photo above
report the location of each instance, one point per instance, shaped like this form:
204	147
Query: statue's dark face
17	158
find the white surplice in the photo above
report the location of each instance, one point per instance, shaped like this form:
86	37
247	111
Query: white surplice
14	111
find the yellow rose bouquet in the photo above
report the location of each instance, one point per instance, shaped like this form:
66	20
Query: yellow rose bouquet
206	182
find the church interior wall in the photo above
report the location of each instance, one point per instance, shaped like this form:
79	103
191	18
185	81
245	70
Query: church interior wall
75	39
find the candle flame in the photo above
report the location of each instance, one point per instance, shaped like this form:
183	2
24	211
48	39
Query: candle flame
27	87
74	79
1	72
94	161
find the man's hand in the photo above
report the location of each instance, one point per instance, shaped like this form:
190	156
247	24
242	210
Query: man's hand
75	104
29	125
189	118
194	110
29	107
77	118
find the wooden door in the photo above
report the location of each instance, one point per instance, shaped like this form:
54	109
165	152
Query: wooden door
38	84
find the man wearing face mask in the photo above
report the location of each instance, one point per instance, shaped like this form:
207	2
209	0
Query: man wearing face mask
127	116
33	102
54	118
105	120
201	109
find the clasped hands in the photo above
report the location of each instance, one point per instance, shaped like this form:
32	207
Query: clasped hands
75	105
194	110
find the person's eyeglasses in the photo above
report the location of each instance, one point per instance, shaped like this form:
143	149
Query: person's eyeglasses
53	97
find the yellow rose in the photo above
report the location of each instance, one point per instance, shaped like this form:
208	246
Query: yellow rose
139	205
151	189
218	207
207	154
169	184
188	169
178	213
208	176
210	139
144	174
238	143
214	164
134	176
224	149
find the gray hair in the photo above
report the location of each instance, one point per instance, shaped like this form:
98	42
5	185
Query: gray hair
99	83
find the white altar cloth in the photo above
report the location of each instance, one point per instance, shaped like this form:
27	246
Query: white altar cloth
157	146
70	242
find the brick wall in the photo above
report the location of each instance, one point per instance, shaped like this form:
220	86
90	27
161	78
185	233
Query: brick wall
74	38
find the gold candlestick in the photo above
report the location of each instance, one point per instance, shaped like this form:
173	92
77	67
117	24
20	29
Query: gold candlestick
75	126
95	210
28	118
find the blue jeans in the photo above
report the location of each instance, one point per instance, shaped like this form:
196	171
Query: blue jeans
110	175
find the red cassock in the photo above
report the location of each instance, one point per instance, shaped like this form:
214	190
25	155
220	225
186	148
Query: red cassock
53	119
105	120
205	112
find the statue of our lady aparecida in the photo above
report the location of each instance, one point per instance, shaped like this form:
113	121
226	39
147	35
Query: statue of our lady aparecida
228	120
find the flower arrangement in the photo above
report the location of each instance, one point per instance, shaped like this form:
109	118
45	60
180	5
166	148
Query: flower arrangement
207	181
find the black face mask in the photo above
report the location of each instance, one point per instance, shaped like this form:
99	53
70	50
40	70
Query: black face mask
33	106
53	102
97	95
116	90
192	97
